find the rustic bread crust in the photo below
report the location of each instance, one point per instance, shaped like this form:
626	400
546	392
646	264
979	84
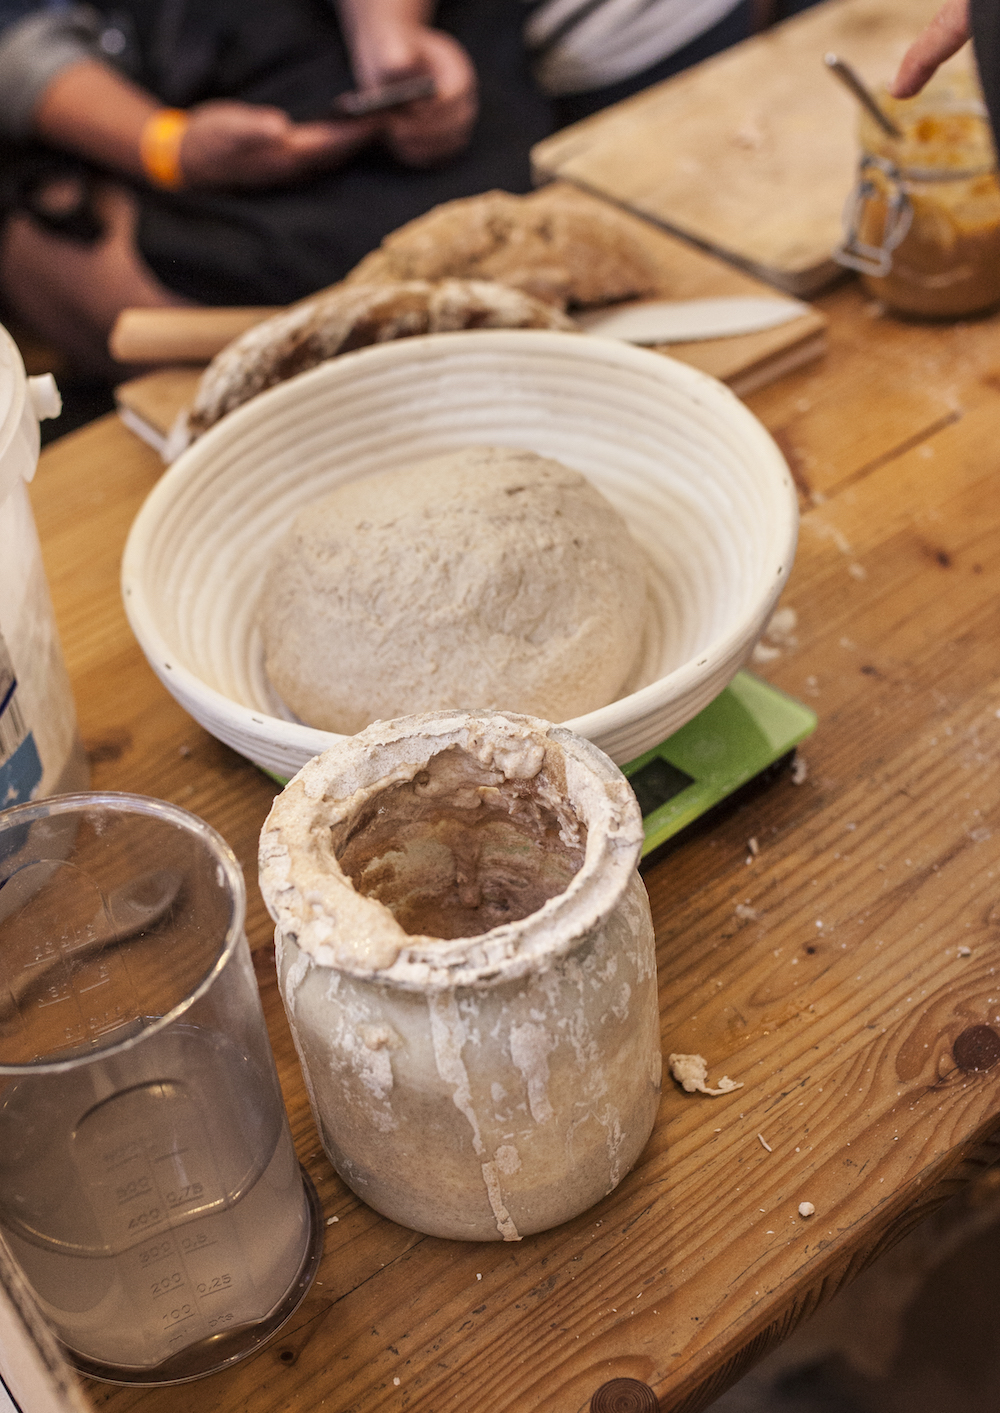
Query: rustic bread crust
353	316
557	244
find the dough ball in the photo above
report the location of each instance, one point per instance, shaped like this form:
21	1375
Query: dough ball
487	577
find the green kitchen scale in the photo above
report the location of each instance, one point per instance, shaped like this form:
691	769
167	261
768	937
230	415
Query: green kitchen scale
747	728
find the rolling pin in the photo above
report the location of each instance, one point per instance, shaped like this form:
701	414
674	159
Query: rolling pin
180	335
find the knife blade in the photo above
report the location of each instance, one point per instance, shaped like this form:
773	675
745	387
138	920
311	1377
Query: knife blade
689	320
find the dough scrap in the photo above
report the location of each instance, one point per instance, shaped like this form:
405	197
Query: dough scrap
691	1072
484	578
556	243
353	316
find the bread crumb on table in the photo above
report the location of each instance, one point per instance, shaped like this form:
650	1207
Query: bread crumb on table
806	1209
691	1072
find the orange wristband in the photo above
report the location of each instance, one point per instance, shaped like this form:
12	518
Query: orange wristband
160	147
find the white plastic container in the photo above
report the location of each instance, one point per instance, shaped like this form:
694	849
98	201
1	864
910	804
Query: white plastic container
40	750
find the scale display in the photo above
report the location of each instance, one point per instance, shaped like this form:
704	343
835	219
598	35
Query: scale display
749	726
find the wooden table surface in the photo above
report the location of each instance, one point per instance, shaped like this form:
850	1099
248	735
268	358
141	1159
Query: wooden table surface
845	967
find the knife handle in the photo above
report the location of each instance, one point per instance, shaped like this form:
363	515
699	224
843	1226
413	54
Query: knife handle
179	335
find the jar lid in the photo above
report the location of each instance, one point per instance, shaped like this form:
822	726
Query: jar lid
23	401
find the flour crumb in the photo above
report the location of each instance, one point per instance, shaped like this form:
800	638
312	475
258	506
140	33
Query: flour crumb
781	628
330	1221
764	1143
781	633
691	1072
800	770
806	1209
965	951
746	912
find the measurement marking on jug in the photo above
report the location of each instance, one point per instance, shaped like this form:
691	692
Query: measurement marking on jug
156	1253
167	1285
138	1187
173	1153
57	997
144	1219
198	1243
104	981
178	1316
216	1286
184	1195
118	1157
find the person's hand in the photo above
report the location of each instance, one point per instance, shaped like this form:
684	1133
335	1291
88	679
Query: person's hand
428	130
944	36
229	144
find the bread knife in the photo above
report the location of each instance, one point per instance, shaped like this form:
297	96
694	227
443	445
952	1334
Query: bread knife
689	320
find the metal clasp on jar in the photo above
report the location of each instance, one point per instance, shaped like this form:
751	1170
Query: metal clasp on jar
857	254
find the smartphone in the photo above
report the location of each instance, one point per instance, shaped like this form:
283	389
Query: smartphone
376	100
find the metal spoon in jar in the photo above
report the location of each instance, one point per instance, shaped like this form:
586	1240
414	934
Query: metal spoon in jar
851	81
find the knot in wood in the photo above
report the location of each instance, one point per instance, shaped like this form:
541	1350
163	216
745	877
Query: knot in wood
976	1048
624	1396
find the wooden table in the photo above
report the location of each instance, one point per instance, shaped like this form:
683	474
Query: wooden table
845	966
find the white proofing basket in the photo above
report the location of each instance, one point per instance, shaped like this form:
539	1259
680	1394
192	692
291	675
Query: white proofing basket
703	488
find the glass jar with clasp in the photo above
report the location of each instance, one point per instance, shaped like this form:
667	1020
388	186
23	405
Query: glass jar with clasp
923	223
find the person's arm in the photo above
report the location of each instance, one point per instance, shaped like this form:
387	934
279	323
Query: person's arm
91	109
392	39
942	37
35	44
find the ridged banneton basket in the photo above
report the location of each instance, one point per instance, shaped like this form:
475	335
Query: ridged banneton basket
701	484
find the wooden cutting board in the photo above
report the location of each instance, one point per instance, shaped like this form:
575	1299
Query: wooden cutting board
149	404
752	153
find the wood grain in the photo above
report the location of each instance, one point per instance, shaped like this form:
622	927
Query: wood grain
752	153
847	971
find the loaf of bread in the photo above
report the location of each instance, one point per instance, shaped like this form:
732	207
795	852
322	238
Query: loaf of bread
486	577
557	244
350	316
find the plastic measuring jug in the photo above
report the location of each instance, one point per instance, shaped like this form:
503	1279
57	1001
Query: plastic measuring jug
149	1189
40	750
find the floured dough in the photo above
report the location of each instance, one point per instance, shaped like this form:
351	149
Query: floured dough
352	316
691	1073
558	244
486	577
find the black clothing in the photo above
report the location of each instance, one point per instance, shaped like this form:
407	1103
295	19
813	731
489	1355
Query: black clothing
276	244
984	16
